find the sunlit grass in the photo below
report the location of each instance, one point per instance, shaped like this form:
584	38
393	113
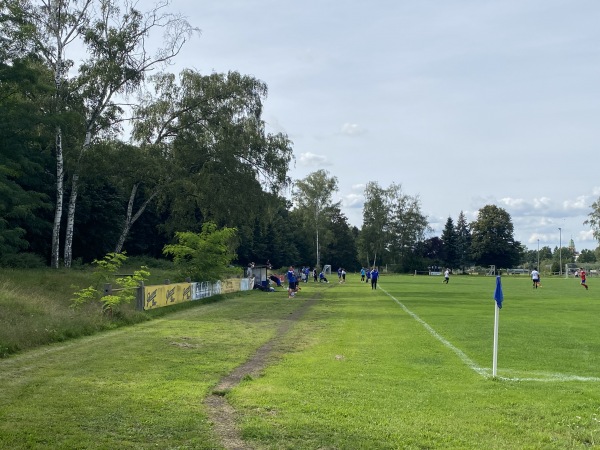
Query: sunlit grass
357	371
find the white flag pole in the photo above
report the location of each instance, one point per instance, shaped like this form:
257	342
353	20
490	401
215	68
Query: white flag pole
495	353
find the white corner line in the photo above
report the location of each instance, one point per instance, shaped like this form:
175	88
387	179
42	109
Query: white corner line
485	372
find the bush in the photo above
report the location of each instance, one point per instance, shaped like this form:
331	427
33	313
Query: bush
149	262
22	261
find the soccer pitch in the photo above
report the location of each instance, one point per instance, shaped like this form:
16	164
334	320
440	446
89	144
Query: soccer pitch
342	366
545	334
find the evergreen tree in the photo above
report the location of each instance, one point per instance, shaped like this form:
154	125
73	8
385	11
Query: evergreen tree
450	245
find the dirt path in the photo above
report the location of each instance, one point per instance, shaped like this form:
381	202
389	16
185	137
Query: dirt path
220	412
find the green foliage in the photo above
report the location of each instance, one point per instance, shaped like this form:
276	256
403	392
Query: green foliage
203	256
22	261
341	249
393	227
123	287
492	240
24	133
450	245
586	256
463	241
594	219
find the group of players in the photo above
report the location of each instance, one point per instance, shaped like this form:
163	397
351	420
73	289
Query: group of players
535	277
293	284
369	275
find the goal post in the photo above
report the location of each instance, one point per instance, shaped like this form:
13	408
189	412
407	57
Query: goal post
571	270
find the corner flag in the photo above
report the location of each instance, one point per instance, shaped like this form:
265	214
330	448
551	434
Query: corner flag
498	296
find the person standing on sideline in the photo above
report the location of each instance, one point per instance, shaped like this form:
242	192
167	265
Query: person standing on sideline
315	275
582	275
446	276
362	274
291	276
374	277
340	274
535	277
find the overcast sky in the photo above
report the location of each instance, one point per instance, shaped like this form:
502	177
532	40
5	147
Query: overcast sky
462	102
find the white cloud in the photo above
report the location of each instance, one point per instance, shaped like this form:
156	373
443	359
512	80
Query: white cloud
515	203
542	203
352	129
580	203
353	201
309	159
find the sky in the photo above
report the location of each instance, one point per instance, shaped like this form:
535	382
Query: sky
464	103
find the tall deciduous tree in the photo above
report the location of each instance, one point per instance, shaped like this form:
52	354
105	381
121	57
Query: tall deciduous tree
594	219
313	196
47	28
586	256
341	249
211	148
113	39
493	242
407	227
374	234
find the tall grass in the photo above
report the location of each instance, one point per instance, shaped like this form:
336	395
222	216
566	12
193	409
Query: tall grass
35	307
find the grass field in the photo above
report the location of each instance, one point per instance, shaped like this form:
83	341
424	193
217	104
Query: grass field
404	367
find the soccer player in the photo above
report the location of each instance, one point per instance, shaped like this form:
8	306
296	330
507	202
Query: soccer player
291	276
322	278
535	277
374	277
582	276
446	276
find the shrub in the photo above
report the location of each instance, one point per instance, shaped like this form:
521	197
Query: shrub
22	261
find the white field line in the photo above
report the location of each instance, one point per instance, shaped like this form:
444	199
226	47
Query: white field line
483	371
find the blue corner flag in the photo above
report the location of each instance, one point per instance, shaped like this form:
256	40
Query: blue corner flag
498	296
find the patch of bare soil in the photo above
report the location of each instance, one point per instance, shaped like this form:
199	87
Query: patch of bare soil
220	412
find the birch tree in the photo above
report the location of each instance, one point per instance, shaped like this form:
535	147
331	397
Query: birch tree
205	131
407	225
374	235
112	37
118	63
48	28
594	220
313	196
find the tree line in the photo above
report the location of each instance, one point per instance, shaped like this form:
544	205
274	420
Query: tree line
76	76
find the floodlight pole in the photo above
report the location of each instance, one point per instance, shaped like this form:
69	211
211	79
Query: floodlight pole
538	264
560	250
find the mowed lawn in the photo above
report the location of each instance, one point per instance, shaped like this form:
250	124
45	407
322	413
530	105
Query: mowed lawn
406	366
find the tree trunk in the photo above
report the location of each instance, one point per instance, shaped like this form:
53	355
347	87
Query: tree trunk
60	176
129	220
60	164
68	254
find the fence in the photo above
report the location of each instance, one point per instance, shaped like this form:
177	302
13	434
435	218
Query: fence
158	296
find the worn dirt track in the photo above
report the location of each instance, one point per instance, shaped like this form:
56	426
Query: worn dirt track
221	414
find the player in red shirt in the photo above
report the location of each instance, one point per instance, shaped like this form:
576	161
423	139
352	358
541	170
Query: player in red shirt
582	276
